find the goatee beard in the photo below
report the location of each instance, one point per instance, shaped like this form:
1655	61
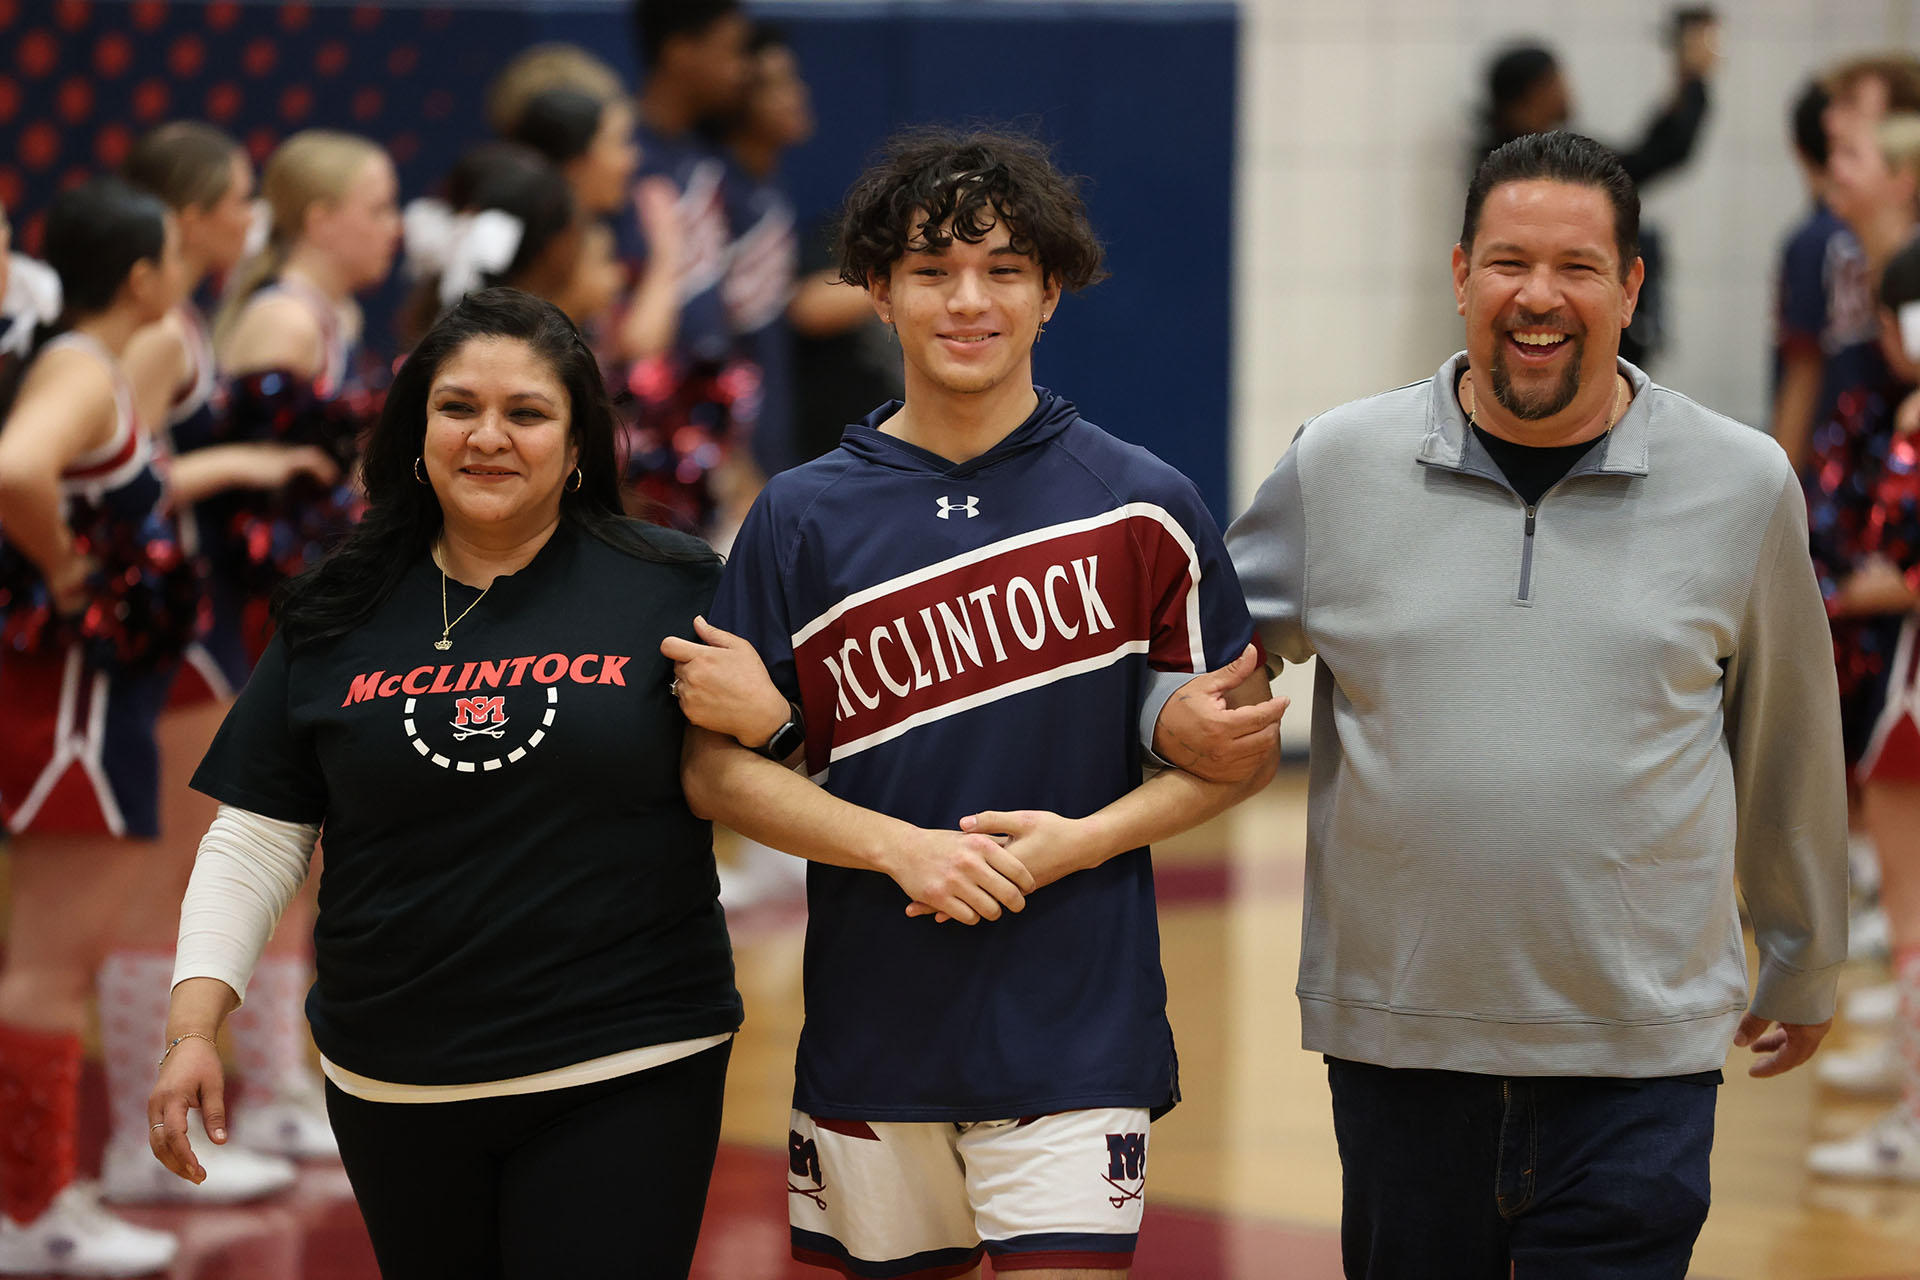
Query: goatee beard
1534	407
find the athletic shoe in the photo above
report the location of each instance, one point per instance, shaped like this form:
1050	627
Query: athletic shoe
292	1123
1868	937
1888	1150
76	1237
1875	1006
131	1175
1870	1069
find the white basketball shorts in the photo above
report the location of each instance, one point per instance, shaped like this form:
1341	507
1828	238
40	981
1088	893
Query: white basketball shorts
885	1201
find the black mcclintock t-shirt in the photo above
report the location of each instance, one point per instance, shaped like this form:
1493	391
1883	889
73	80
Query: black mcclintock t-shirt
512	882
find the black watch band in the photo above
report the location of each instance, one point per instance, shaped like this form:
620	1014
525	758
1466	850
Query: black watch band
787	739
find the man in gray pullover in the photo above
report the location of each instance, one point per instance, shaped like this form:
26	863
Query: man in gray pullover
1574	680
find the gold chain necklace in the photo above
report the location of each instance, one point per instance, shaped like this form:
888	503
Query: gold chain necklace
1619	405
446	628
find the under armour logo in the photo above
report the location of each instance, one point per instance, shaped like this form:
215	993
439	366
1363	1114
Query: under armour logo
971	507
479	717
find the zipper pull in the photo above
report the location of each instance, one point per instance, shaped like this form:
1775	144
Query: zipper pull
1530	513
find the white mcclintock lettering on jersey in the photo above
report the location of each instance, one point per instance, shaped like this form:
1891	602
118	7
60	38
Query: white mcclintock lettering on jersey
970	508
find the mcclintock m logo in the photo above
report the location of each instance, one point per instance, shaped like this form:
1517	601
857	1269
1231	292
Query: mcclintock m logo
474	716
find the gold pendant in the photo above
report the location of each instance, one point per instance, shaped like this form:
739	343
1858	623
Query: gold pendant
443	644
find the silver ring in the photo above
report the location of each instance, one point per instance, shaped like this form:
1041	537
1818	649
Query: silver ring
673	687
152	1127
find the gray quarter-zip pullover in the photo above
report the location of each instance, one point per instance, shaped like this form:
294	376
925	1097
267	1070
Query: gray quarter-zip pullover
1546	738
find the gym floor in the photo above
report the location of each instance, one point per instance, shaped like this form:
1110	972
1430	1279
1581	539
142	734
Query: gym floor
1245	1180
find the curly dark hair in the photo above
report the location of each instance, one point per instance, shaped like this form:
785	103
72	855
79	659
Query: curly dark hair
933	185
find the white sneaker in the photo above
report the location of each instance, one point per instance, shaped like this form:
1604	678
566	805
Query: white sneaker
292	1123
1872	1006
1870	1069
1868	937
130	1174
76	1237
1890	1150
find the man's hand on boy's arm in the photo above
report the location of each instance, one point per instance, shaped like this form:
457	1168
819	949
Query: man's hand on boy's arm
1210	729
723	686
1051	846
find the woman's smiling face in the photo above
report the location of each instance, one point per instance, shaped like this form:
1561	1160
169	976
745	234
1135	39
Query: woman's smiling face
499	441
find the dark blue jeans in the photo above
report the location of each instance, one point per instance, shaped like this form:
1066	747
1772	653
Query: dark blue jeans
1447	1175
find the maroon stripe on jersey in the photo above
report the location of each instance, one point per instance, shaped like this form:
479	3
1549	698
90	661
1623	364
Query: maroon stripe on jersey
990	627
849	1128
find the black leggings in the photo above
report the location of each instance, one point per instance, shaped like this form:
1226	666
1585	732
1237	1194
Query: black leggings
594	1182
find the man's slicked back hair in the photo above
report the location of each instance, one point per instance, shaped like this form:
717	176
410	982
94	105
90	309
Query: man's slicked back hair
931	186
1559	156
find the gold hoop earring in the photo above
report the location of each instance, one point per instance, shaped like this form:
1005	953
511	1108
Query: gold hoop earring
576	480
420	470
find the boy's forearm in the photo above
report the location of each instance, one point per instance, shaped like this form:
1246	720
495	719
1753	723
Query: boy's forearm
770	803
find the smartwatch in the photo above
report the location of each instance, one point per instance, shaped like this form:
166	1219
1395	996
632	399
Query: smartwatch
787	739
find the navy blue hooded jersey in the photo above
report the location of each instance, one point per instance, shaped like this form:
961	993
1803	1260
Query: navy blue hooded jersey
969	637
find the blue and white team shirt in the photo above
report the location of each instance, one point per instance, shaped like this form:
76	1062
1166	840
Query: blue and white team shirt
762	264
970	637
698	172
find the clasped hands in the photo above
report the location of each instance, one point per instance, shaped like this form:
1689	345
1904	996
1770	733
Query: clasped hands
991	863
985	868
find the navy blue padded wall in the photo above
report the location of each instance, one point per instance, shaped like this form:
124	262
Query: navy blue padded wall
1138	98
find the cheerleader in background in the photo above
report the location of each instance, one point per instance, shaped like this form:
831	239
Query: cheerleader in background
98	603
589	139
507	219
682	419
681	407
1873	185
204	178
1886	582
285	341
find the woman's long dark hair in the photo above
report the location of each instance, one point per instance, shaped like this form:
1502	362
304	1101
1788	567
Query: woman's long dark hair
96	233
403	516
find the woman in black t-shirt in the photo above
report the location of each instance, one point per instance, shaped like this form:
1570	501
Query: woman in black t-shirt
525	993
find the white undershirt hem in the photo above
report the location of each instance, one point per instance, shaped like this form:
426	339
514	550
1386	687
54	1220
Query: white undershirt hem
592	1071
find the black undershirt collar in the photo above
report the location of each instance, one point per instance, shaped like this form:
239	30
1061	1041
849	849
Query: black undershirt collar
1534	469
